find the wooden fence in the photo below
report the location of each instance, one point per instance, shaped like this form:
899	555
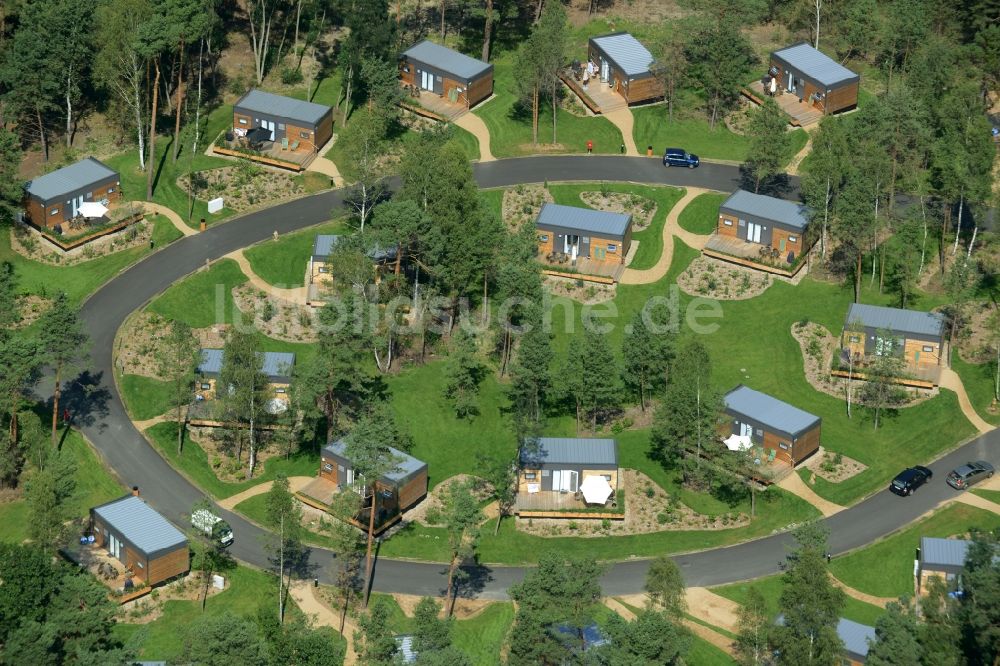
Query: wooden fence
573	85
71	245
902	381
263	159
600	279
750	263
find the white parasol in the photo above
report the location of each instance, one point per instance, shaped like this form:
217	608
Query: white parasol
92	209
596	490
738	442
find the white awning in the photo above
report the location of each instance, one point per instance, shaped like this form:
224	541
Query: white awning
92	209
738	442
596	490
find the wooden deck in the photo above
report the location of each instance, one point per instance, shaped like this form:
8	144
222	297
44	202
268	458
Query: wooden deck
319	494
744	253
584	268
434	106
801	114
548	504
596	96
272	154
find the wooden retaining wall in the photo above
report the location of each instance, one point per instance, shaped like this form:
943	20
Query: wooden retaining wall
263	159
749	263
316	504
585	515
580	276
65	247
902	381
421	111
572	84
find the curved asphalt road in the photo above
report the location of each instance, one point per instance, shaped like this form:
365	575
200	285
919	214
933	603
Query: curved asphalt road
137	463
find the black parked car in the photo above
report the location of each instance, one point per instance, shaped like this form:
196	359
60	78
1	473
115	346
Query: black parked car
680	157
968	474
910	479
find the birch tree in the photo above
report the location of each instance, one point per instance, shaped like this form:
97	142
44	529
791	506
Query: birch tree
244	392
177	362
824	175
283	513
62	341
260	16
461	519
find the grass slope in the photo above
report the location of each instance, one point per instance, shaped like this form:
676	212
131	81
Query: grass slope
144	397
978	380
203	298
885	568
702	214
283	262
650	239
94	485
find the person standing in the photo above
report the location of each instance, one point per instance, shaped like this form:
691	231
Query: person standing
590	147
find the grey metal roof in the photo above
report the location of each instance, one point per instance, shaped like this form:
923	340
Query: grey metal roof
943	552
815	64
793	214
276	365
407	465
324	243
769	410
896	320
140	524
76	176
855	636
587	220
448	60
627	52
279	105
571	450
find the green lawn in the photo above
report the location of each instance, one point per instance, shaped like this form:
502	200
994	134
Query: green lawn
284	262
692	134
650	239
978	381
80	280
163	638
468	142
885	568
194	463
204	298
144	397
94	485
702	215
510	126
991	495
703	653
771	586
312	182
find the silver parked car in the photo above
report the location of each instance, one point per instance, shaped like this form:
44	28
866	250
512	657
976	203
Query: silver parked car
968	474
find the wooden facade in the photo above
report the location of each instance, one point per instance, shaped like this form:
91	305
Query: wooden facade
765	221
306	127
456	77
624	65
816	79
552	469
600	236
792	434
122	538
51	200
874	331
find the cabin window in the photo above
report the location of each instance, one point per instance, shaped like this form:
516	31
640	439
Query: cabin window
928	348
340	468
607	477
760	433
327	467
585	239
406	68
437	78
784	446
726	222
854	339
530	476
743	223
612	247
545	473
111	190
324	269
544	238
205	386
54	211
305	135
792	239
243	121
281	126
90	195
280	390
140	565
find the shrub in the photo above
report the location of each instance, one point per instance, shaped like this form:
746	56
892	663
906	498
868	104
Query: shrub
290	76
662	518
605	524
573	526
649	491
433	516
838	459
803	322
268	311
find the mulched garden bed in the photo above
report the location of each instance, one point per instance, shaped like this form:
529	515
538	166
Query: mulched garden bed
715	279
31	307
29	243
642	209
243	186
582	291
833	467
276	317
522	203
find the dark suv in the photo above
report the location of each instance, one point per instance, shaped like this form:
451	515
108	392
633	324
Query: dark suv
680	157
972	472
910	479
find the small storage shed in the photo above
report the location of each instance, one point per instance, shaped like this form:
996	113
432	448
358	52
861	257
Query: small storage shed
597	235
855	637
625	65
395	492
757	218
140	538
323	246
876	330
458	78
277	366
815	78
307	126
55	198
561	464
793	434
941	558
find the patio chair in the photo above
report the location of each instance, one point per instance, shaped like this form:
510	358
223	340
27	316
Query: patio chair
771	455
295	145
284	143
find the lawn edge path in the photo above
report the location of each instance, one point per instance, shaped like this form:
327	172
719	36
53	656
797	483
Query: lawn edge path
953	382
322	615
671	228
794	484
475	126
295	295
296	483
170	214
622	119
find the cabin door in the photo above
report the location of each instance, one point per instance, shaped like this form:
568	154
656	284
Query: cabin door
753	232
76	203
746	430
269	126
791	83
427	81
565	480
605	70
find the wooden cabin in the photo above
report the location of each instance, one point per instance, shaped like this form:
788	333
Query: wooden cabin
304	126
815	78
855	638
765	221
456	77
395	492
55	198
940	558
873	330
140	538
785	432
276	366
558	465
625	66
598	235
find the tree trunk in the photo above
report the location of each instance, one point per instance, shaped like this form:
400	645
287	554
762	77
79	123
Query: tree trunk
152	131
923	242
958	222
41	133
441	12
180	100
55	405
826	218
451	579
819	5
488	31
139	127
180	428
368	553
281	569
857	276
534	115
347	97
555	108
945	221
197	109
69	109
298	16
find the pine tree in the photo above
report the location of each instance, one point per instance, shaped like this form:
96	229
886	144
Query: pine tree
895	638
283	514
598	390
61	342
244	392
652	639
461	521
665	587
531	377
463	373
48	494
374	641
770	145
686	419
646	355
